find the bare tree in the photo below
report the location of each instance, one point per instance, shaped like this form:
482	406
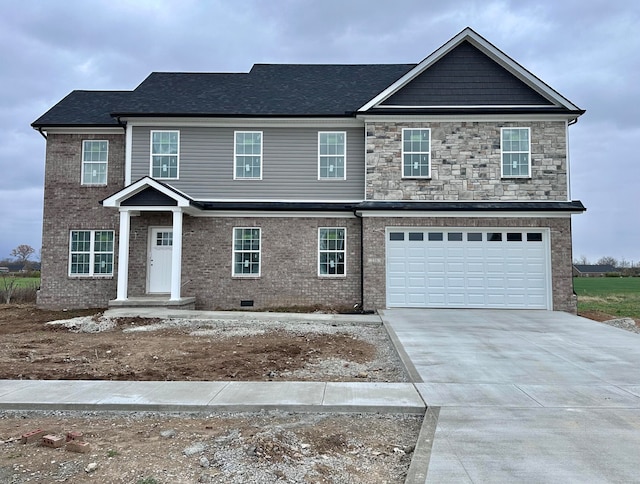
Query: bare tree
22	253
582	260
608	261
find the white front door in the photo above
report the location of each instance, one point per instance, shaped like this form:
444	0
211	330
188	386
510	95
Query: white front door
159	270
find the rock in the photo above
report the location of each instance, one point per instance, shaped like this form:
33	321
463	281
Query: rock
204	462
168	434
626	323
362	374
194	449
91	467
251	451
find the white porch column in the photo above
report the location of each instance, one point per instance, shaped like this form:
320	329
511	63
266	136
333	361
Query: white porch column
176	256
123	256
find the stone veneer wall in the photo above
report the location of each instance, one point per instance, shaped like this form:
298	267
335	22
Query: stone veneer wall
374	247
68	205
466	162
289	252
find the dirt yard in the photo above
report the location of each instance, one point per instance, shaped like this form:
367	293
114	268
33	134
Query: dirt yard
261	448
181	350
153	447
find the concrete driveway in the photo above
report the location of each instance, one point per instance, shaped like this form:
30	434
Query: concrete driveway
525	396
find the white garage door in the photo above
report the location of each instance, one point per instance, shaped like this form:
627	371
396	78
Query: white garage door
463	268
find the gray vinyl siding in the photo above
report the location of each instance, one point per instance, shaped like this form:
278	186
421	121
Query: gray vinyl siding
289	164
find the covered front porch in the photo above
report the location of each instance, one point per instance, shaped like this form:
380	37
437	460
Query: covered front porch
155	246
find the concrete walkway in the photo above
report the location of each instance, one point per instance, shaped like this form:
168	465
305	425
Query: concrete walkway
210	396
524	396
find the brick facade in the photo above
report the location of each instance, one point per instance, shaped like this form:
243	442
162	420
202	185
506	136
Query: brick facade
70	206
289	245
466	162
289	258
374	245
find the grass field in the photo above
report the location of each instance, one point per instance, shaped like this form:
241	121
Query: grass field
618	296
20	281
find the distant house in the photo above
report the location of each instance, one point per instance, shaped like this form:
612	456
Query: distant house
4	269
588	270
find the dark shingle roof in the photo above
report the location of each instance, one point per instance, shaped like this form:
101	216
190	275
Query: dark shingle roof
267	90
594	268
84	108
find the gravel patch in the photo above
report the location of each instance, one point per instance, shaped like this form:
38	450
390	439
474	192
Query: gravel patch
624	323
233	448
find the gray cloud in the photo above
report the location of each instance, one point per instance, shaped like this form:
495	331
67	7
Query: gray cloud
588	51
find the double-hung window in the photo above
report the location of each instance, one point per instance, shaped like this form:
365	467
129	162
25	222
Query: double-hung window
165	154
95	154
332	251
248	155
416	153
91	253
516	152
246	252
332	155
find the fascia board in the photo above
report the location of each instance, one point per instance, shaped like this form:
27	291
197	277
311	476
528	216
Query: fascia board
157	121
83	130
269	214
464	214
394	118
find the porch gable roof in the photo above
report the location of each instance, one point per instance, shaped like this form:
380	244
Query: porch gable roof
148	192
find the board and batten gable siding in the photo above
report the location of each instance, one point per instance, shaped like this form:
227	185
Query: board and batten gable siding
289	164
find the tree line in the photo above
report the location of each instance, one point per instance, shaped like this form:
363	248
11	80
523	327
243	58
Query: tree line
20	259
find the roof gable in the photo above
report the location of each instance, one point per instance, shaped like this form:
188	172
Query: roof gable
147	192
470	72
466	77
149	197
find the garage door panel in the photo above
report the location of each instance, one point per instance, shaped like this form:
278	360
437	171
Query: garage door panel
415	282
445	271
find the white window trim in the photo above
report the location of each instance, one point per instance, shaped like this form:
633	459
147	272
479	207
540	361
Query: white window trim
502	175
428	176
344	155
343	250
234	252
106	173
92	254
235	156
159	154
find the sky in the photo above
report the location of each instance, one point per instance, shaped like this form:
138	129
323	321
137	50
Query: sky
588	50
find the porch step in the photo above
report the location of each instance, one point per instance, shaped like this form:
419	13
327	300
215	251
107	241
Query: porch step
155	301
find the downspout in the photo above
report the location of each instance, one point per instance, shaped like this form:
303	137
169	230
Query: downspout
41	133
360	307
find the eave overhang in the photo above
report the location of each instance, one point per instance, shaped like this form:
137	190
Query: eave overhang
471	208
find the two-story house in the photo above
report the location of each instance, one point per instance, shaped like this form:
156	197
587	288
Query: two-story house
442	184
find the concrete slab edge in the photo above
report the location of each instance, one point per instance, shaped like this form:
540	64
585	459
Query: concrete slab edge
178	408
152	312
414	375
417	473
